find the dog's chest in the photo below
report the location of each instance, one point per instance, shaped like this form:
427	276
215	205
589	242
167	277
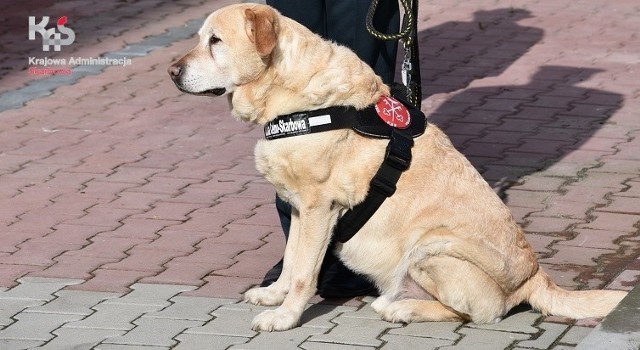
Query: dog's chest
333	164
293	163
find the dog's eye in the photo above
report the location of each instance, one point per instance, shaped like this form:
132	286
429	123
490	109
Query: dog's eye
214	40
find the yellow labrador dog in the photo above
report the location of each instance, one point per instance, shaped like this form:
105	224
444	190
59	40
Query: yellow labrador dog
443	247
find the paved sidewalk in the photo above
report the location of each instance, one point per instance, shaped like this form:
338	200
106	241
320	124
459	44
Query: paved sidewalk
131	215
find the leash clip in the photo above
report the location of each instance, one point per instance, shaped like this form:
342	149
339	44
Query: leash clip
406	67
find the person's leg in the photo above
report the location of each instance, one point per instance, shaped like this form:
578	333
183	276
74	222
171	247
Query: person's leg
344	22
309	13
346	25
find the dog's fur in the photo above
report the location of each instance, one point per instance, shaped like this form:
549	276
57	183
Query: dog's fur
443	247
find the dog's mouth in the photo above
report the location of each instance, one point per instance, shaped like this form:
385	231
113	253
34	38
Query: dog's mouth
212	92
209	92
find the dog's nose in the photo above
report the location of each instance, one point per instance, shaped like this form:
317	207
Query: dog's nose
174	71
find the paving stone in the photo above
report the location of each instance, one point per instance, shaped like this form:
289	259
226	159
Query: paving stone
116	281
10	273
578	193
546	224
207	341
575	335
576	255
486	340
11	307
150	331
37	288
626	280
438	330
520	322
290	339
235	322
143	260
113	316
322	315
364	311
189	273
603	239
396	342
36	253
129	347
355	331
311	345
190	308
150	294
551	333
224	287
19	344
76	338
36	326
612	221
73	302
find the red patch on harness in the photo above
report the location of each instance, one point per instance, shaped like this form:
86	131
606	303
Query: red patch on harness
393	112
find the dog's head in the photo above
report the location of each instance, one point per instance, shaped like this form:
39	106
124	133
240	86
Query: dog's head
234	49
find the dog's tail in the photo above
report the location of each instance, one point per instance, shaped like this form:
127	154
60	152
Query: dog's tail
546	297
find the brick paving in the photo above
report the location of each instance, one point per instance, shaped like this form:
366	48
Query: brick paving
131	215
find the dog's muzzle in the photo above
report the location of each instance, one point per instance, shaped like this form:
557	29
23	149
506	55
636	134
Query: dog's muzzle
175	72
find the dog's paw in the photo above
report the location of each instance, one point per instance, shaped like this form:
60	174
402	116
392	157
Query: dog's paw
275	320
381	303
397	312
264	296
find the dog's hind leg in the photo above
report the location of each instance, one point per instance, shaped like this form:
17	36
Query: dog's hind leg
463	291
416	310
460	286
408	300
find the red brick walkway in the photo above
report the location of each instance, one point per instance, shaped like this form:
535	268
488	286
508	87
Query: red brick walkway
119	178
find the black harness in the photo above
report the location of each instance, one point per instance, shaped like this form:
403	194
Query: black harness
367	122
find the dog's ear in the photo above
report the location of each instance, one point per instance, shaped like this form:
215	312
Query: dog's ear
261	29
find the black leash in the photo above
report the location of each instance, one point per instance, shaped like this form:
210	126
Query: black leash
411	87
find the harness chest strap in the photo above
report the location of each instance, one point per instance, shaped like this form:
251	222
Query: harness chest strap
397	159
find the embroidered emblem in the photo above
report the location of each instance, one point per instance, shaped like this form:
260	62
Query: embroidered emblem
393	112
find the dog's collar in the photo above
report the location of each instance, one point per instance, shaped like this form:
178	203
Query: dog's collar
377	120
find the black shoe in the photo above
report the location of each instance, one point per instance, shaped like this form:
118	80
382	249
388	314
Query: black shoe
337	281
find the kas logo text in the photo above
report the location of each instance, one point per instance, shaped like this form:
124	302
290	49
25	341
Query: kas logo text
51	36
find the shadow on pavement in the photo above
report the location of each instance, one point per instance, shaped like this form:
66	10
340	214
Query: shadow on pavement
508	131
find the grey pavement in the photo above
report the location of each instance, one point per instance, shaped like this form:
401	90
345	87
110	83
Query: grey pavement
40	313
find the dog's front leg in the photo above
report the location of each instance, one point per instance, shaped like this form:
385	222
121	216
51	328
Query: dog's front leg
310	247
276	292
